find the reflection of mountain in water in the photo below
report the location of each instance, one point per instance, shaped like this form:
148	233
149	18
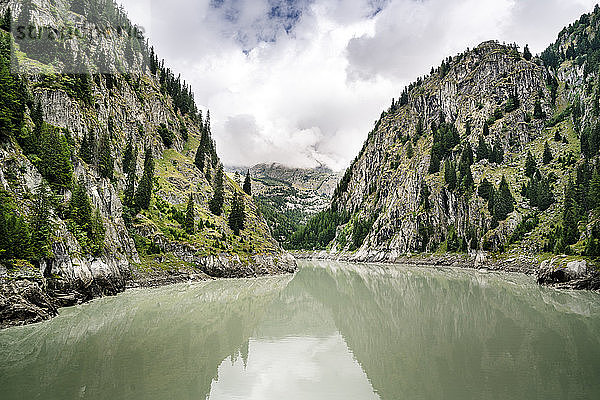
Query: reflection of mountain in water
164	345
416	334
452	334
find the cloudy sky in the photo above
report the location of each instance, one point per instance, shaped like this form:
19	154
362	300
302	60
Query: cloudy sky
301	82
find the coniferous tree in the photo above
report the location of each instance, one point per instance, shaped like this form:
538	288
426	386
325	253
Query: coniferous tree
189	216
128	157
450	175
129	194
418	130
12	93
106	163
216	203
15	236
237	215
545	198
530	165
80	208
594	191
96	236
485	189
86	150
55	157
248	184
424	195
486	128
570	215
37	116
547	157
6	22
143	193
410	152
527	53
503	201
483	151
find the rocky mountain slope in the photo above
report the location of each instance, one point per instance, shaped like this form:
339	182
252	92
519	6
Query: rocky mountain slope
74	223
493	152
288	197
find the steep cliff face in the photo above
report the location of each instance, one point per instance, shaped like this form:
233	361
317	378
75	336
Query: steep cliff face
495	150
408	206
149	246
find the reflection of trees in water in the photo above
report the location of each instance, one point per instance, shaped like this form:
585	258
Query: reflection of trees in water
417	333
453	334
165	345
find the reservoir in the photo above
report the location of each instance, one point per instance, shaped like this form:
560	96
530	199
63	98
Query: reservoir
330	331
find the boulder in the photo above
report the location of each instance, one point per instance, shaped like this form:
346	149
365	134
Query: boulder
551	271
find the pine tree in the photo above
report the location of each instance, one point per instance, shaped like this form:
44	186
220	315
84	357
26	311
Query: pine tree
237	214
594	191
503	201
483	151
144	190
545	198
486	128
485	189
106	163
128	157
129	194
189	216
37	116
410	152
96	235
570	215
418	130
547	157
86	150
450	175
434	161
248	184
526	53
216	203
80	208
530	165
6	22
55	157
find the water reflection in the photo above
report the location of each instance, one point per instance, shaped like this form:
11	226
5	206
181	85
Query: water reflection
332	331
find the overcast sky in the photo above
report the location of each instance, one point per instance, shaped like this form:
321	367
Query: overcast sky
301	82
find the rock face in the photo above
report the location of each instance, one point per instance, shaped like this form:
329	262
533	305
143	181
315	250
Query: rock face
127	108
398	201
384	184
552	271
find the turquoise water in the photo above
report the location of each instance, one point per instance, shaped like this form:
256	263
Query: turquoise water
331	331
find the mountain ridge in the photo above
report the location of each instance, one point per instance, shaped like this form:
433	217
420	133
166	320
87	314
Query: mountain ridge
80	138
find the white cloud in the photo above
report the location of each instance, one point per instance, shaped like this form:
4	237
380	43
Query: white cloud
310	95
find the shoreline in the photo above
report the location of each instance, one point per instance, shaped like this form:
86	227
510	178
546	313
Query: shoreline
590	280
27	298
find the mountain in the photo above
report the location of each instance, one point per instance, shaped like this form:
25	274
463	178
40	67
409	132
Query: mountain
108	172
288	197
494	151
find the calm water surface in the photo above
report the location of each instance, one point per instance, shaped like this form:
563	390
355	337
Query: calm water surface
331	331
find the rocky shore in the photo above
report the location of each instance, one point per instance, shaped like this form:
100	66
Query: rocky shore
561	272
27	296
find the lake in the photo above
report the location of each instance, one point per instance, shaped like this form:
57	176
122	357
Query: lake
331	331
